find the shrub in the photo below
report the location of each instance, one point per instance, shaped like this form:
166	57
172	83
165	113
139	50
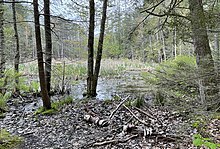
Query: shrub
199	141
3	100
176	78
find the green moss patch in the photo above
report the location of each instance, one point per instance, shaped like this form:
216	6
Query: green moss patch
55	106
7	141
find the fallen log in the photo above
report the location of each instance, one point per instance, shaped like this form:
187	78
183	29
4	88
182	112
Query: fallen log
96	120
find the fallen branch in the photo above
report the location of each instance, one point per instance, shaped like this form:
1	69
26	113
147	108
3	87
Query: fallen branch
112	114
141	111
143	122
152	117
115	141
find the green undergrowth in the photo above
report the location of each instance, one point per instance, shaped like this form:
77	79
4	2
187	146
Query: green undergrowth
3	101
173	79
56	106
25	85
139	102
8	141
200	141
203	137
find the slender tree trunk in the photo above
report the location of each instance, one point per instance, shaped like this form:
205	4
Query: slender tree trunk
45	96
2	40
202	49
100	47
62	50
17	52
164	57
174	42
91	47
33	45
217	46
218	51
180	48
48	40
26	36
151	47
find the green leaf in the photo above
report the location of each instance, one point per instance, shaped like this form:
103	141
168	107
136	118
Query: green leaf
195	136
7	95
198	142
210	145
206	139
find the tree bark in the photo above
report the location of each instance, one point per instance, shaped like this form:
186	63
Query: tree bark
17	51
164	56
91	47
203	53
45	96
100	48
48	41
2	39
174	43
217	45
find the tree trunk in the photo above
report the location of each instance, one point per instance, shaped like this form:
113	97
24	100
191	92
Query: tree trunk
91	47
48	41
99	51
33	45
202	49
45	97
2	40
164	56
17	52
174	43
217	46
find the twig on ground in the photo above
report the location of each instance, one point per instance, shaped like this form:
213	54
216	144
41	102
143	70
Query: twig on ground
22	99
144	112
122	102
143	122
115	141
149	115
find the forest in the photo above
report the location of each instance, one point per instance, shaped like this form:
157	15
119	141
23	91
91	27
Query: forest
114	74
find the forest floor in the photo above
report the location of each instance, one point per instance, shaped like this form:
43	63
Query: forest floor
69	129
110	121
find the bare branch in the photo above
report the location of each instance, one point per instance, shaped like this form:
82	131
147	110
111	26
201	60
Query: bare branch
110	117
64	19
143	122
153	7
172	5
9	2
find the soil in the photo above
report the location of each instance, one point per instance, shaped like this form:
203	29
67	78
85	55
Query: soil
68	129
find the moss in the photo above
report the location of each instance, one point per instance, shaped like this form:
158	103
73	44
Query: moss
44	111
55	106
7	141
